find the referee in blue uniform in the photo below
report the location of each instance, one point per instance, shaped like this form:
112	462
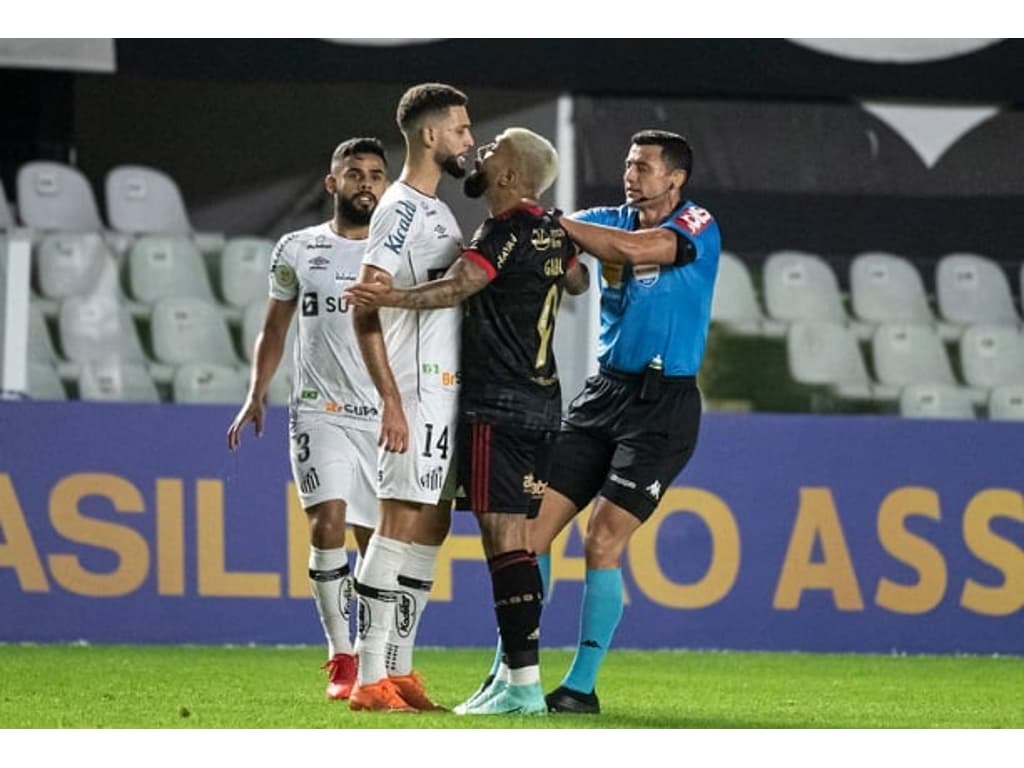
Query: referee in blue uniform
634	426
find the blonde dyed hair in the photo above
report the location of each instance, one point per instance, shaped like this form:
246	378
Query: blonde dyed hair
537	157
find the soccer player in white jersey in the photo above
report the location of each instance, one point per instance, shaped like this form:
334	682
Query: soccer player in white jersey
413	359
334	409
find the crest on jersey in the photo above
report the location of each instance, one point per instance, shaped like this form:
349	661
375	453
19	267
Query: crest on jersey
647	275
284	276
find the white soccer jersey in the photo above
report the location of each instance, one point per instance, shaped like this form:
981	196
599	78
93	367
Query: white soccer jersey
415	238
331	380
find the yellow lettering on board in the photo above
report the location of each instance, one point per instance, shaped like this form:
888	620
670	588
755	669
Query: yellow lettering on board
1000	553
920	554
214	578
18	551
817	519
128	544
170	536
725	551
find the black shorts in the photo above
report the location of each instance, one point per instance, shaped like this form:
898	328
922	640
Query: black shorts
626	449
502	468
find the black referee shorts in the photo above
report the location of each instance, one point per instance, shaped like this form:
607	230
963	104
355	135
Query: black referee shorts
626	449
502	468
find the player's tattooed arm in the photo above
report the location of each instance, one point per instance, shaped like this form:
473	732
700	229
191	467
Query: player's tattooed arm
462	280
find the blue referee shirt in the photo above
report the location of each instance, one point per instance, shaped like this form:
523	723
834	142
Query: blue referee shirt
651	310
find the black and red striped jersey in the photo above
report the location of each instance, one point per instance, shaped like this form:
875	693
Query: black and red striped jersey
509	374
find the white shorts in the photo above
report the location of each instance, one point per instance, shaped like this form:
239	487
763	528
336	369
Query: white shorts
330	461
421	472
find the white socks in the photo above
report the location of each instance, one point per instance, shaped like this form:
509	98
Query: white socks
415	579
331	584
376	589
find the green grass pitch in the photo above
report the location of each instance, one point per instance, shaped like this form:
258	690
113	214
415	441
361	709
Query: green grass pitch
209	687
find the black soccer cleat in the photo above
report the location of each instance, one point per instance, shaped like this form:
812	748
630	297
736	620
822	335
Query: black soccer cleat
572	702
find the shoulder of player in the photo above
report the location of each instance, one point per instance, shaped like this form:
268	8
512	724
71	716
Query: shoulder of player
298	237
692	219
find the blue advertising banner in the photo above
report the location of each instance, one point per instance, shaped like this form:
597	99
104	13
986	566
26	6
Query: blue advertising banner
134	524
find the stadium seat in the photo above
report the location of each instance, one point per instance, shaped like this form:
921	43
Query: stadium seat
71	264
159	267
828	354
208	383
885	288
56	197
124	382
98	329
735	304
44	382
910	353
935	401
147	201
992	355
40	345
244	266
802	286
973	289
189	330
1006	403
280	390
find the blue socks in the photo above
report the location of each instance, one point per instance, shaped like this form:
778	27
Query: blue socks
599	617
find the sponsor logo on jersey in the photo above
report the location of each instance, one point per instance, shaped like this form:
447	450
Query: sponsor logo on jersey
432	480
365	618
543	238
406	211
310	481
646	275
447	378
405	614
318	262
318	243
342	277
351	409
310	305
309	394
654	489
533	487
694	219
441	231
331	304
284	275
554	267
506	249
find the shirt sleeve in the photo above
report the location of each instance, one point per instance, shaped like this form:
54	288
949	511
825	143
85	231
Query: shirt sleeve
391	233
491	246
284	282
602	215
697	227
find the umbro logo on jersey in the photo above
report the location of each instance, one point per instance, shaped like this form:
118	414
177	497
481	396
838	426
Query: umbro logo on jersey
694	219
318	262
441	231
320	242
406	211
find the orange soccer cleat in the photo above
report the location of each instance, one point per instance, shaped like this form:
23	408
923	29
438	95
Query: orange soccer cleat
382	696
341	675
411	688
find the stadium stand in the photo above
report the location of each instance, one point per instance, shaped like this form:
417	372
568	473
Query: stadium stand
973	289
735	305
992	355
190	330
935	401
166	266
244	266
208	383
56	197
1006	403
124	382
825	353
6	217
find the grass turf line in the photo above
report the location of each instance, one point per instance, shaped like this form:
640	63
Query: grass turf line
46	686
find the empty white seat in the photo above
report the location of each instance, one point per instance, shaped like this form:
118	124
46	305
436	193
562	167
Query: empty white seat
280	389
44	382
992	355
71	264
167	266
735	305
1006	403
910	353
208	383
124	382
828	354
40	345
54	196
973	289
802	286
935	401
189	330
147	201
98	329
244	266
